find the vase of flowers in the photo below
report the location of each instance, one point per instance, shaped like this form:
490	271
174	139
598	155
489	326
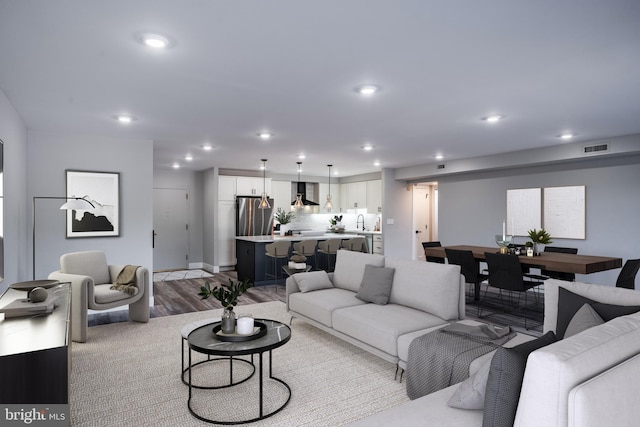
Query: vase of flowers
228	297
283	218
539	237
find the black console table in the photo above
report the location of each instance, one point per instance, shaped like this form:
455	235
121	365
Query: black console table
35	352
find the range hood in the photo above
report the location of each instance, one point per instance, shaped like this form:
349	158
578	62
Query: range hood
308	190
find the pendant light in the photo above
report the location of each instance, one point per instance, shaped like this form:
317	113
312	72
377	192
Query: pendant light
328	205
264	202
298	203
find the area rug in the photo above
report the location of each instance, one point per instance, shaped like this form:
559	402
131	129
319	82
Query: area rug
128	374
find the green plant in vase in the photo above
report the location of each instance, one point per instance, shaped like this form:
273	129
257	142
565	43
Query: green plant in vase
228	297
283	218
539	237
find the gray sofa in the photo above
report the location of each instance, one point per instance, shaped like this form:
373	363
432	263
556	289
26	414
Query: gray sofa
588	379
423	296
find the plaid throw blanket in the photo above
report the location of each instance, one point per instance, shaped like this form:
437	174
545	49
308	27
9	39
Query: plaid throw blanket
441	358
126	280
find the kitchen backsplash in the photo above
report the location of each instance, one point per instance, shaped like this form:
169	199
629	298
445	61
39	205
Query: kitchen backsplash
310	221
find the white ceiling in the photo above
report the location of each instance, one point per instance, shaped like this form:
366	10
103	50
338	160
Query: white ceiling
290	66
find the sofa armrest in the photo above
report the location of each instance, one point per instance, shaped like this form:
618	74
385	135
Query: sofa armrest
292	288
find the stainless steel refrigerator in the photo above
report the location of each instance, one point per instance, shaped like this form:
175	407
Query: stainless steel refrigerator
251	220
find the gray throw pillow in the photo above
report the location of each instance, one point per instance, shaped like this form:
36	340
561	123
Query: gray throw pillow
505	381
313	281
584	319
376	284
470	394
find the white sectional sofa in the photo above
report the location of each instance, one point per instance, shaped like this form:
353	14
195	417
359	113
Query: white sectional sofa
588	379
423	296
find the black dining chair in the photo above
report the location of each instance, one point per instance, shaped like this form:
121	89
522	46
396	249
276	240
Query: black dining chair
570	277
434	244
505	273
469	268
627	276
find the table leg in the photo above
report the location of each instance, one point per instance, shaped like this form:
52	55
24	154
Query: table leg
260	382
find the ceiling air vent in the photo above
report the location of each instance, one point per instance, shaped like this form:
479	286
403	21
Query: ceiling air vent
595	149
441	166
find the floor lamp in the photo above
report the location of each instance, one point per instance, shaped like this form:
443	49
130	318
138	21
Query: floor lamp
71	203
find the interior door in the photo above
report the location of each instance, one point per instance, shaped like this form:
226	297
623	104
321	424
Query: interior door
170	228
424	224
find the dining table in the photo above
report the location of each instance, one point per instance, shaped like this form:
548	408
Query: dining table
552	261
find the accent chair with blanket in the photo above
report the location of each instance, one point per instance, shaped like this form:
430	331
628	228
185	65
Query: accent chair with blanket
96	285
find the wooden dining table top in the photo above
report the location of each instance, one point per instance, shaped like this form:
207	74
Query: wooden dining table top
553	261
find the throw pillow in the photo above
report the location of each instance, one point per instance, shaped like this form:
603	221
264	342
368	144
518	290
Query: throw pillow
584	319
471	392
505	381
376	284
569	303
313	281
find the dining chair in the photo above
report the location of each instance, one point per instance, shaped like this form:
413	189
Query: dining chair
469	268
627	276
434	244
570	277
505	273
329	249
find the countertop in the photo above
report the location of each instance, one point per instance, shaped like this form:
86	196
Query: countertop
297	237
363	232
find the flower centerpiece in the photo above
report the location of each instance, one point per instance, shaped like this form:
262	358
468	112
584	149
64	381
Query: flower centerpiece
228	297
283	219
539	237
336	223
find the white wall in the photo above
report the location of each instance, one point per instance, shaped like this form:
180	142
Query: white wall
13	133
397	204
49	155
192	182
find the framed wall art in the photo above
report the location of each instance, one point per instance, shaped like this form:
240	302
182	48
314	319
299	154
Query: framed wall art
103	190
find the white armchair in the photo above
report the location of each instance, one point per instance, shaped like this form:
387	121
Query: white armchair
91	279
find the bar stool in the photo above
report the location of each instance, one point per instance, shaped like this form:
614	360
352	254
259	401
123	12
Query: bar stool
278	252
308	249
357	244
329	248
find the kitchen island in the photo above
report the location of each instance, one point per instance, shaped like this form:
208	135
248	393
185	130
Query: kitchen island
250	253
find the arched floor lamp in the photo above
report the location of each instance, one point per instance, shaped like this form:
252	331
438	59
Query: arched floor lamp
71	203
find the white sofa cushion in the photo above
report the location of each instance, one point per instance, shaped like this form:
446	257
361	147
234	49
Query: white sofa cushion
555	369
600	293
620	385
319	305
350	268
427	286
381	325
313	281
430	410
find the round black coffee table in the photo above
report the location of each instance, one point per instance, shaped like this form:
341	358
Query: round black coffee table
203	340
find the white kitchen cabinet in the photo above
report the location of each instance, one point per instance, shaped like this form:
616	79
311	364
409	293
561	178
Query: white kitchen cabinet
225	237
323	190
356	195
252	186
281	194
377	244
374	196
226	187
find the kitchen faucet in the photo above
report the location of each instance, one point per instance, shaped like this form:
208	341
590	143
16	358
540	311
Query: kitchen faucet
358	222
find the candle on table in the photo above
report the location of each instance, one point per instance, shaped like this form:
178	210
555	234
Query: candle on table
245	325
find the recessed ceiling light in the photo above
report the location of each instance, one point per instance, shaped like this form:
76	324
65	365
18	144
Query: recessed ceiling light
265	135
367	147
154	40
367	90
188	157
176	165
567	136
123	118
207	147
493	118
302	156
438	156
376	163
